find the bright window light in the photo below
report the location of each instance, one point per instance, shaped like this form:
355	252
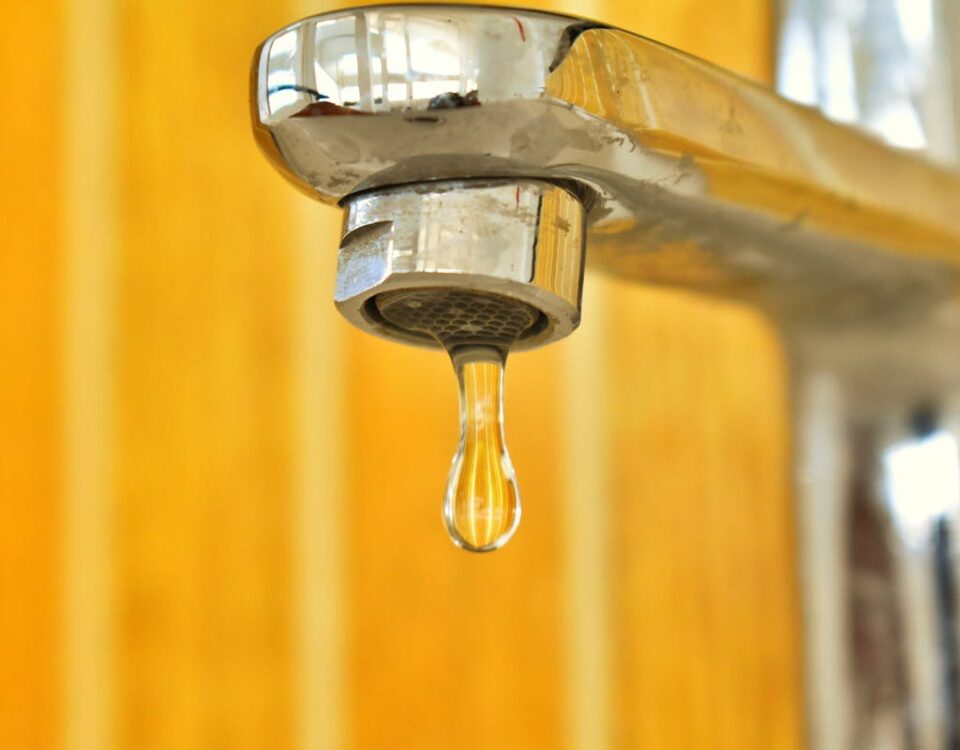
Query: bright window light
922	481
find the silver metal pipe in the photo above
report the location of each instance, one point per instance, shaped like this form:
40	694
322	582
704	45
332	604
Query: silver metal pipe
688	176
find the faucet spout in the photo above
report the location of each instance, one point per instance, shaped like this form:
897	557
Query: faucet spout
693	176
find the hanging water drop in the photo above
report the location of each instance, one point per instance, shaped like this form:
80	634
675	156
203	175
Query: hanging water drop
482	502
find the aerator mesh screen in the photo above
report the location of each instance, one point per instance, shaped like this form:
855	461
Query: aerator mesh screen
457	317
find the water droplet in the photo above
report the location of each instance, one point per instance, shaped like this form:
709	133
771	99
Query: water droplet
482	502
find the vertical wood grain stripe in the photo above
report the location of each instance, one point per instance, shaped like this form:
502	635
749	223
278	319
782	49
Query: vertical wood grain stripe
588	695
585	497
318	558
90	250
205	383
31	439
703	569
319	529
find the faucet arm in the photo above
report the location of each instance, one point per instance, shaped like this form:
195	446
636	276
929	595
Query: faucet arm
691	175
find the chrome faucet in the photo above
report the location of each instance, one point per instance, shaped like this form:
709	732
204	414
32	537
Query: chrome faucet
481	150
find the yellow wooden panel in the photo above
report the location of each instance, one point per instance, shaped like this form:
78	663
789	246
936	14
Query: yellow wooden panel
738	34
30	438
203	390
703	574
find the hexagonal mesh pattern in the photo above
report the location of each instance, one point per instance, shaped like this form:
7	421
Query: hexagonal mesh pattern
456	317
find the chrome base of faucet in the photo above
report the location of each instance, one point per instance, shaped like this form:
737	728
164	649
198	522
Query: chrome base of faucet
520	240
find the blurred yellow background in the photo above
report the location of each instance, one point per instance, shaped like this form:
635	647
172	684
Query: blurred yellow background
219	505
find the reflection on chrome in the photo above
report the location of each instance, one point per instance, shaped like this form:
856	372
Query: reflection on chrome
381	61
879	506
880	513
922	483
883	64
